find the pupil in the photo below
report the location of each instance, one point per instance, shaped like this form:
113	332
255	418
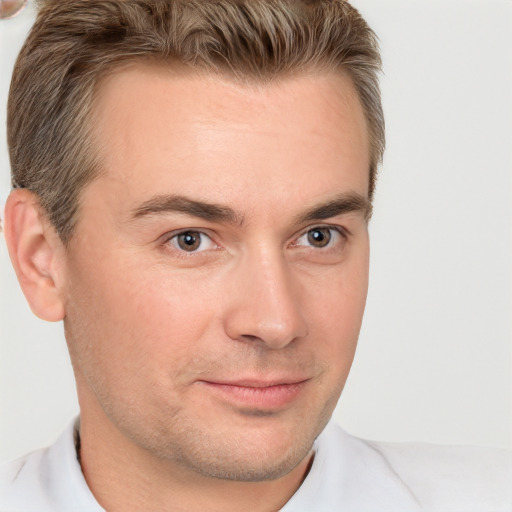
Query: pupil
189	241
319	237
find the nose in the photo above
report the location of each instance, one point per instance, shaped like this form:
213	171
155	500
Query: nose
264	303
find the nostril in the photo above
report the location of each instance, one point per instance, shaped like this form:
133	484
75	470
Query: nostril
250	337
9	8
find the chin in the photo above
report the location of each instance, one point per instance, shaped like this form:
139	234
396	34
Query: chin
254	466
261	450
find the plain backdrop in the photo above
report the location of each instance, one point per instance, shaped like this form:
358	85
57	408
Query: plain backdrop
434	361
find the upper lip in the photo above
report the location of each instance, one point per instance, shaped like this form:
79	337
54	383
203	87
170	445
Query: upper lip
257	383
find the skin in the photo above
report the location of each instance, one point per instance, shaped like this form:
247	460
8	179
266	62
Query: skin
206	371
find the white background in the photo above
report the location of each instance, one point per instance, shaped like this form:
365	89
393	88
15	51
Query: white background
435	356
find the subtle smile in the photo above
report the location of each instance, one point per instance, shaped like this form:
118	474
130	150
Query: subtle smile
256	394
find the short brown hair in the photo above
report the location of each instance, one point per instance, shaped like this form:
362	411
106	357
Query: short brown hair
74	43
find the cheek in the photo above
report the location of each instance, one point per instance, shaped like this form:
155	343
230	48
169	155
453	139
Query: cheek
148	321
338	308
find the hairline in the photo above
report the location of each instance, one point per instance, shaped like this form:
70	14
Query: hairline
76	80
179	70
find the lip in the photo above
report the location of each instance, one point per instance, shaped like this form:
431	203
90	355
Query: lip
263	395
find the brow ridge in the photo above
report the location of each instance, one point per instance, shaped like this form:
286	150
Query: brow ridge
175	203
346	203
162	204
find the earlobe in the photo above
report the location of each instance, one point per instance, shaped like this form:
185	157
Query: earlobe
37	254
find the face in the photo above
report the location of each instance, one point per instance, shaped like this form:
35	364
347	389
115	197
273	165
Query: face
217	276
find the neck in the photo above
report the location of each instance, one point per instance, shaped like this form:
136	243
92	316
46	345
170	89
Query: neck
124	477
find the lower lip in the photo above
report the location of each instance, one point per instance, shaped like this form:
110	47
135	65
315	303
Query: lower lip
262	398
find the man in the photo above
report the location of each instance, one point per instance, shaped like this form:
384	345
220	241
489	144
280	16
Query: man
191	197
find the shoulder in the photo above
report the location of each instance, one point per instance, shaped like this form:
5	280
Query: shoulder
452	478
47	480
438	478
21	485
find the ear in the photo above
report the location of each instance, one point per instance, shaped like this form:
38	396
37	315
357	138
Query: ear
37	254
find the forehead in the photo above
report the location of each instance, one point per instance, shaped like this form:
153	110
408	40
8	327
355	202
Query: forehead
158	127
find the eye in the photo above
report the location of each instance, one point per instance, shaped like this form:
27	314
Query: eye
192	241
320	237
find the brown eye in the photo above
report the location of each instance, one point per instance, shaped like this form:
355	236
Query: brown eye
189	241
319	237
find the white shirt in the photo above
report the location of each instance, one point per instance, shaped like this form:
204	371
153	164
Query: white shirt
347	475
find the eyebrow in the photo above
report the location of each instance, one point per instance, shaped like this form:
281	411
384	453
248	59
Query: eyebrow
181	204
338	206
219	213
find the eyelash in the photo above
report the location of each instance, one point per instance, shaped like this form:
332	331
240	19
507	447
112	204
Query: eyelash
336	229
182	253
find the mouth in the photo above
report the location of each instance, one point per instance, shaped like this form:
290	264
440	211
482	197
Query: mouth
262	395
